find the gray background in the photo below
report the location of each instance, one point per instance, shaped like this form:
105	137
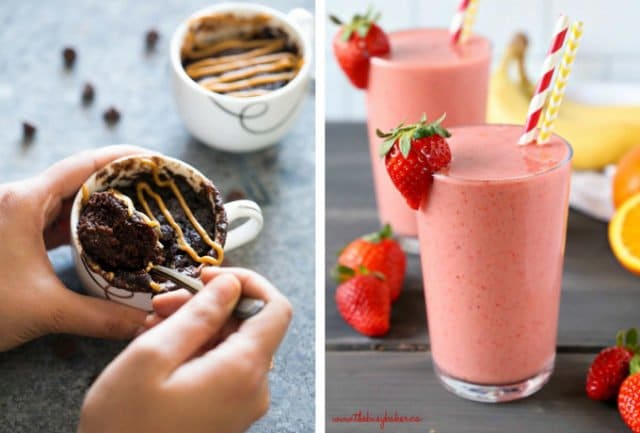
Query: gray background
42	383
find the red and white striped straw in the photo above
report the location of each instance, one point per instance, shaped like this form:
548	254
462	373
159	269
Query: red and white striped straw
458	21
548	68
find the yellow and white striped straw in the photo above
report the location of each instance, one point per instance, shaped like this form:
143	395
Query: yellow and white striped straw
560	83
469	20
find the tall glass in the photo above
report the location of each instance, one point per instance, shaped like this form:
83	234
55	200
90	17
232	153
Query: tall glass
492	238
423	73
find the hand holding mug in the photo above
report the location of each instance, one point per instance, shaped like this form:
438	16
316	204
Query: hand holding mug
34	217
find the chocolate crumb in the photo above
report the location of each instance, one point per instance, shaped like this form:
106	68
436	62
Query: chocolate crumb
151	39
88	93
69	57
111	116
235	194
28	131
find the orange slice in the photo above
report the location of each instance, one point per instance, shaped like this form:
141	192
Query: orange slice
624	234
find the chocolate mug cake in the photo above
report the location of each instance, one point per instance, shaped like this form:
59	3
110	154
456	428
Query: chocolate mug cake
238	55
151	216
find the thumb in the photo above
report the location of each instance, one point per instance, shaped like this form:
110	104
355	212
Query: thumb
182	335
83	315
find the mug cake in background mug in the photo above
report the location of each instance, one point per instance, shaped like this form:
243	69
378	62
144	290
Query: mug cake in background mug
240	73
142	211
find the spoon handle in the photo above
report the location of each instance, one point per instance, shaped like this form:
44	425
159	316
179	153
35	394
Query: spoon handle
245	308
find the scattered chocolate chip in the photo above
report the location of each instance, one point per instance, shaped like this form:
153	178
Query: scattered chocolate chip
28	131
152	39
88	94
111	116
69	56
235	194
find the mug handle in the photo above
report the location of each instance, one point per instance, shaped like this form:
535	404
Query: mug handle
248	230
306	22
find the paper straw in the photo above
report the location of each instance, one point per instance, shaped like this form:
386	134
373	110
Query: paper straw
458	21
560	83
542	89
469	20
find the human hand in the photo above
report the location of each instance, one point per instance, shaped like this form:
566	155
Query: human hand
168	380
34	217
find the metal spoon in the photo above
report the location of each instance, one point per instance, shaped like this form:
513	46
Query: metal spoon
245	308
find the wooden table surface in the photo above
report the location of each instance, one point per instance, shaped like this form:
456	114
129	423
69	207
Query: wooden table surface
394	373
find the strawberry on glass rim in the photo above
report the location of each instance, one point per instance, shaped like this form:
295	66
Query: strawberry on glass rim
412	153
356	42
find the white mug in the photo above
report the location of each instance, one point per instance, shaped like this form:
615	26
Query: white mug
243	124
118	173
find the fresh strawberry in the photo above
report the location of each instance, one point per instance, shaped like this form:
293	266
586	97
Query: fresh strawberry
364	303
629	397
611	367
412	154
377	252
355	43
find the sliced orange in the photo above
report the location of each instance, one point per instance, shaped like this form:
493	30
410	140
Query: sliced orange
626	181
624	234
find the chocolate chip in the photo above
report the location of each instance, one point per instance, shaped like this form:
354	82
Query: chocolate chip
88	94
235	194
69	57
28	131
111	116
151	39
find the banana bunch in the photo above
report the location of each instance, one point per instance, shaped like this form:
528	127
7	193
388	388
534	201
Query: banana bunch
599	134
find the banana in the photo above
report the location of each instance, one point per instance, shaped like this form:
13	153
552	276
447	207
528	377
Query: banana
599	134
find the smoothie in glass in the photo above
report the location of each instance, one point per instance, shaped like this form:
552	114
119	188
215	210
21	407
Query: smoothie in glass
492	235
424	73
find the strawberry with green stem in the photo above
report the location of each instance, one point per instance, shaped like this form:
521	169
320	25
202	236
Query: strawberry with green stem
611	366
356	42
377	252
629	396
412	153
364	303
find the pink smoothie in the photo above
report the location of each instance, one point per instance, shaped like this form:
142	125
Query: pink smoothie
423	74
492	235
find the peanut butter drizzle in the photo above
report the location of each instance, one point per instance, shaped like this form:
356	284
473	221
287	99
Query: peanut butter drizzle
205	67
230	44
155	286
241	74
143	187
248	83
85	194
131	208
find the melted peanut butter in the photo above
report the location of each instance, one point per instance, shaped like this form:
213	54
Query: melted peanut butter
247	83
239	56
206	67
230	44
144	187
85	194
155	286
